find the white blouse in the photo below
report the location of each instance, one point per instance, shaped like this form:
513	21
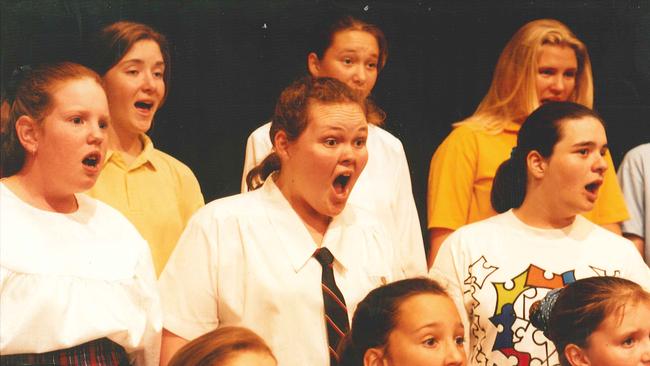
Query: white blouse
248	260
67	279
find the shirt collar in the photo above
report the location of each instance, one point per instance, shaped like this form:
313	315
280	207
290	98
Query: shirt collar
145	157
512	127
294	237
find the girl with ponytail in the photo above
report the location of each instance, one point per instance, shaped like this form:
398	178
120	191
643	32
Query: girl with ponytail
497	267
597	321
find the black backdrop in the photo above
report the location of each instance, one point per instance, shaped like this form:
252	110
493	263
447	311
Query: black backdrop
232	58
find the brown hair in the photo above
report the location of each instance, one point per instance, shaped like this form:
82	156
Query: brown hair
325	37
115	40
30	94
377	315
513	94
581	307
291	115
214	348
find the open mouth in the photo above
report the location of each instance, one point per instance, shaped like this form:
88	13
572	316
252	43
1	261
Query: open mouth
593	187
91	160
341	182
144	105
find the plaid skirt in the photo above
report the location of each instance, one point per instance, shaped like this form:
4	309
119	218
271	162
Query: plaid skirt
100	352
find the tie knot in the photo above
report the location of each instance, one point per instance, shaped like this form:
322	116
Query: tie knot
324	256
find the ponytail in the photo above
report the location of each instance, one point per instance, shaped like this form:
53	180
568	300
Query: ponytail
256	177
509	186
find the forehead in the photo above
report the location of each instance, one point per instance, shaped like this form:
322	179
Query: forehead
583	129
78	90
321	114
145	49
351	39
557	54
419	310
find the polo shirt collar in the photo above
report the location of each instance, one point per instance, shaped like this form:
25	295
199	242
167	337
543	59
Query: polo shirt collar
512	127
294	237
145	157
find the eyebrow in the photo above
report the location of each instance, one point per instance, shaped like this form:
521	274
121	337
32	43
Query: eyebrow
139	61
352	50
458	325
588	144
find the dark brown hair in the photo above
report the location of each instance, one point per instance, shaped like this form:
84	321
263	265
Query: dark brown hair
216	347
377	315
291	115
581	307
115	40
30	94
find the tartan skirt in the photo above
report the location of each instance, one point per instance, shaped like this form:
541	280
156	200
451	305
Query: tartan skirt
100	352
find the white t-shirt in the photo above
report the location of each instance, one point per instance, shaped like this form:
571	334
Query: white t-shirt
67	279
634	176
383	189
248	260
496	268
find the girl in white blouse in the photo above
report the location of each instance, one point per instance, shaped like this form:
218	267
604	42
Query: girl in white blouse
76	279
249	260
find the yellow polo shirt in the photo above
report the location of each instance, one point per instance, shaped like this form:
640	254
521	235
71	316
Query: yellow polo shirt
157	193
463	168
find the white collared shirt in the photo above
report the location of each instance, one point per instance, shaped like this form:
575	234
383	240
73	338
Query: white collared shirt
248	260
383	189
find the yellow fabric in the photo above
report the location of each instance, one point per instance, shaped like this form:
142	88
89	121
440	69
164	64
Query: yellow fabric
157	193
461	174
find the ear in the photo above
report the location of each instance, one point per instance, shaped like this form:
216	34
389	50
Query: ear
536	164
281	145
313	64
28	132
576	355
373	357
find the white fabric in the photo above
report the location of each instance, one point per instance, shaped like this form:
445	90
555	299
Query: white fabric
496	268
384	189
67	279
248	260
634	177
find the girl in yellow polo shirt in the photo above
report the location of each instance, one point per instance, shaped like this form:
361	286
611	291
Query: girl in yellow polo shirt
544	61
152	189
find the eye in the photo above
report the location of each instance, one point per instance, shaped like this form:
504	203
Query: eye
77	120
460	341
372	65
158	74
430	342
132	72
360	142
547	72
603	152
330	142
583	152
570	74
347	60
103	125
628	342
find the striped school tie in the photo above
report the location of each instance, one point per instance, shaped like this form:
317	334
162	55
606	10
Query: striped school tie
336	313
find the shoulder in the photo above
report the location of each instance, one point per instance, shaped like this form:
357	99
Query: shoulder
173	165
638	154
385	138
103	214
233	207
261	133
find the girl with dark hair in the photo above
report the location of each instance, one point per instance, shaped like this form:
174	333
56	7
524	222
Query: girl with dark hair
279	258
597	321
355	52
409	322
497	267
543	62
77	284
156	192
226	346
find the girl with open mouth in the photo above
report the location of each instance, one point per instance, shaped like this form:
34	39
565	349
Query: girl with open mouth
77	283
292	258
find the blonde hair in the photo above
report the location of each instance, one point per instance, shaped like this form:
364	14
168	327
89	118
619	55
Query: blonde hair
513	94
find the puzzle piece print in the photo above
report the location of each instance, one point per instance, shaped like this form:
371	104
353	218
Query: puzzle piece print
509	295
479	271
504	321
600	272
540	349
536	278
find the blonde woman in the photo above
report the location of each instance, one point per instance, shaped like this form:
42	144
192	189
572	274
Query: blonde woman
544	61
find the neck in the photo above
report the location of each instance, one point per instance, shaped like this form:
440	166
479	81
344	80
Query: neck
535	211
126	142
315	222
37	191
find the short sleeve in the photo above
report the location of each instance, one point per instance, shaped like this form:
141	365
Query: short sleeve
451	178
190	197
632	179
610	207
188	288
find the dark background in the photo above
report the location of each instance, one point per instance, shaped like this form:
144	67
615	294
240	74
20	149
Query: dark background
230	60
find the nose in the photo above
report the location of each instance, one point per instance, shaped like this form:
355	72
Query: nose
455	355
348	155
558	84
645	352
96	135
147	81
360	74
600	165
